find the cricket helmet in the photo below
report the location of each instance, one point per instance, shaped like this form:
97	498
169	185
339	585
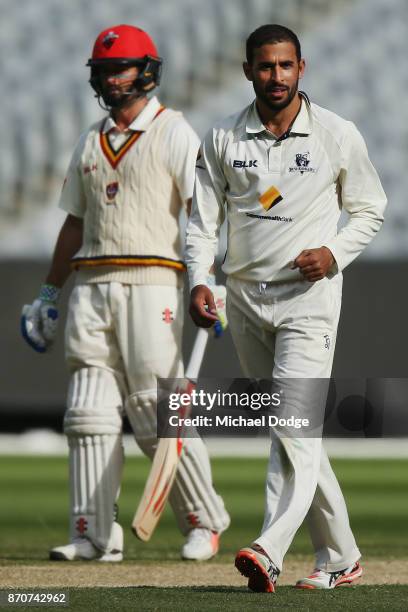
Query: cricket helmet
126	45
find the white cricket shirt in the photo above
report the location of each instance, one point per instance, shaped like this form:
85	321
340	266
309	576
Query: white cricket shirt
281	196
129	188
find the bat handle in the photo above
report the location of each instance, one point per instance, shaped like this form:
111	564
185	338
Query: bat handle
197	354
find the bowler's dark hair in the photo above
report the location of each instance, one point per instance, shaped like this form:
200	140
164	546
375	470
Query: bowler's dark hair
270	34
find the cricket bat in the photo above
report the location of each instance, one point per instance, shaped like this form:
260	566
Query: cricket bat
168	452
166	457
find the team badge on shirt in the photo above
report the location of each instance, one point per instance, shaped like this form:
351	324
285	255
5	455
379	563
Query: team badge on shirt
302	161
111	191
270	198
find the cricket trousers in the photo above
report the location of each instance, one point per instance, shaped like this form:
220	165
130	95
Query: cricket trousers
288	330
119	339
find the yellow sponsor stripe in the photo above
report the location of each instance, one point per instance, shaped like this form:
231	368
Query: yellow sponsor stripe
270	197
127	261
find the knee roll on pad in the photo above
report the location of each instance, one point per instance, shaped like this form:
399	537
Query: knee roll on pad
193	497
95	470
141	411
94	403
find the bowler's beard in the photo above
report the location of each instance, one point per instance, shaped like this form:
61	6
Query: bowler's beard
275	105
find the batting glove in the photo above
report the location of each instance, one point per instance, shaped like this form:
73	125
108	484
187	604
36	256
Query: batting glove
39	320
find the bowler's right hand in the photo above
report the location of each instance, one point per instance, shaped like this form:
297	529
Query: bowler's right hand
202	306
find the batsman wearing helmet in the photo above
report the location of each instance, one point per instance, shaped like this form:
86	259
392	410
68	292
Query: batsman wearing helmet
130	175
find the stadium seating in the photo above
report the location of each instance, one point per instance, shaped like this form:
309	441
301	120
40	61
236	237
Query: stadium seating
355	52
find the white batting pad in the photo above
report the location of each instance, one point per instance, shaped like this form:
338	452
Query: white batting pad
94	403
140	408
193	497
93	425
95	469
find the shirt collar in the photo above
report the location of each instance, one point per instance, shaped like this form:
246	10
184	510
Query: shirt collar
301	125
141	122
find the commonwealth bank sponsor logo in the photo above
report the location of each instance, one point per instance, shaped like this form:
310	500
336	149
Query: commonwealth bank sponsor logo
270	198
274	218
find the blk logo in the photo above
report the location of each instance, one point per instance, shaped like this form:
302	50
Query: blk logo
252	163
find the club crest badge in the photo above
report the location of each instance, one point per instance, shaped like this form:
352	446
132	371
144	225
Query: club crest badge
111	191
109	39
302	161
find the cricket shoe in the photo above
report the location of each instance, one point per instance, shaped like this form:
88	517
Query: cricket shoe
201	545
330	580
82	549
254	563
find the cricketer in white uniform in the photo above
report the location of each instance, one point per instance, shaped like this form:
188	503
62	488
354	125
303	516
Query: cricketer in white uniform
130	175
280	171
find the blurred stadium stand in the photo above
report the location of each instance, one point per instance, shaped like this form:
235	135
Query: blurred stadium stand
355	52
44	46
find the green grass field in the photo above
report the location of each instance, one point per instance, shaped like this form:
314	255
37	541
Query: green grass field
33	518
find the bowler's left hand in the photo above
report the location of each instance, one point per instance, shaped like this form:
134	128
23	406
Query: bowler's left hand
314	264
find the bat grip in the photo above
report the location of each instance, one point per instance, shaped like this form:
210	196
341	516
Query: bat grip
197	354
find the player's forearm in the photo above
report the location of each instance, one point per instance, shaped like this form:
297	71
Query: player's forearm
199	257
68	243
362	197
202	234
356	235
